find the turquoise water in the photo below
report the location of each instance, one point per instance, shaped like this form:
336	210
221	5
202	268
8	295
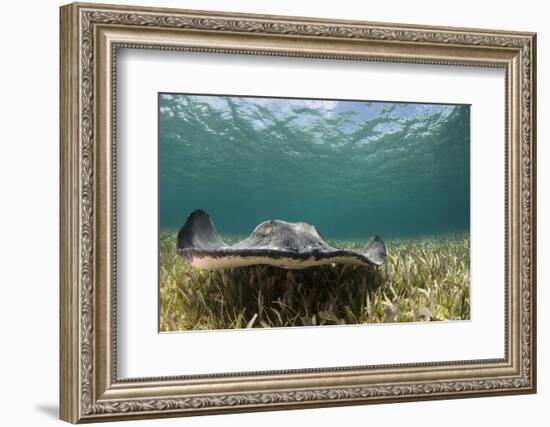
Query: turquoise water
351	168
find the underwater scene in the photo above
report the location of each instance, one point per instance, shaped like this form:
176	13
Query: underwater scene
279	212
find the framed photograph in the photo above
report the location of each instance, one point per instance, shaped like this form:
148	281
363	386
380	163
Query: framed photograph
267	212
353	168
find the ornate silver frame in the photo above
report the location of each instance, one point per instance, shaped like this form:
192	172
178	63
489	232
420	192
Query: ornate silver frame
90	36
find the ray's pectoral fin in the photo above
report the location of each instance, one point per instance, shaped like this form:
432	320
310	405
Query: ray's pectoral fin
375	250
199	233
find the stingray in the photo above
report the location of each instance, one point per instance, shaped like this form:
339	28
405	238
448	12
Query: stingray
291	245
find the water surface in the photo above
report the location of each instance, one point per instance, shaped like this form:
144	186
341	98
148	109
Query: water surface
352	168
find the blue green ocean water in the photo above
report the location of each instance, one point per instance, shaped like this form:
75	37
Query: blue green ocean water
351	168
